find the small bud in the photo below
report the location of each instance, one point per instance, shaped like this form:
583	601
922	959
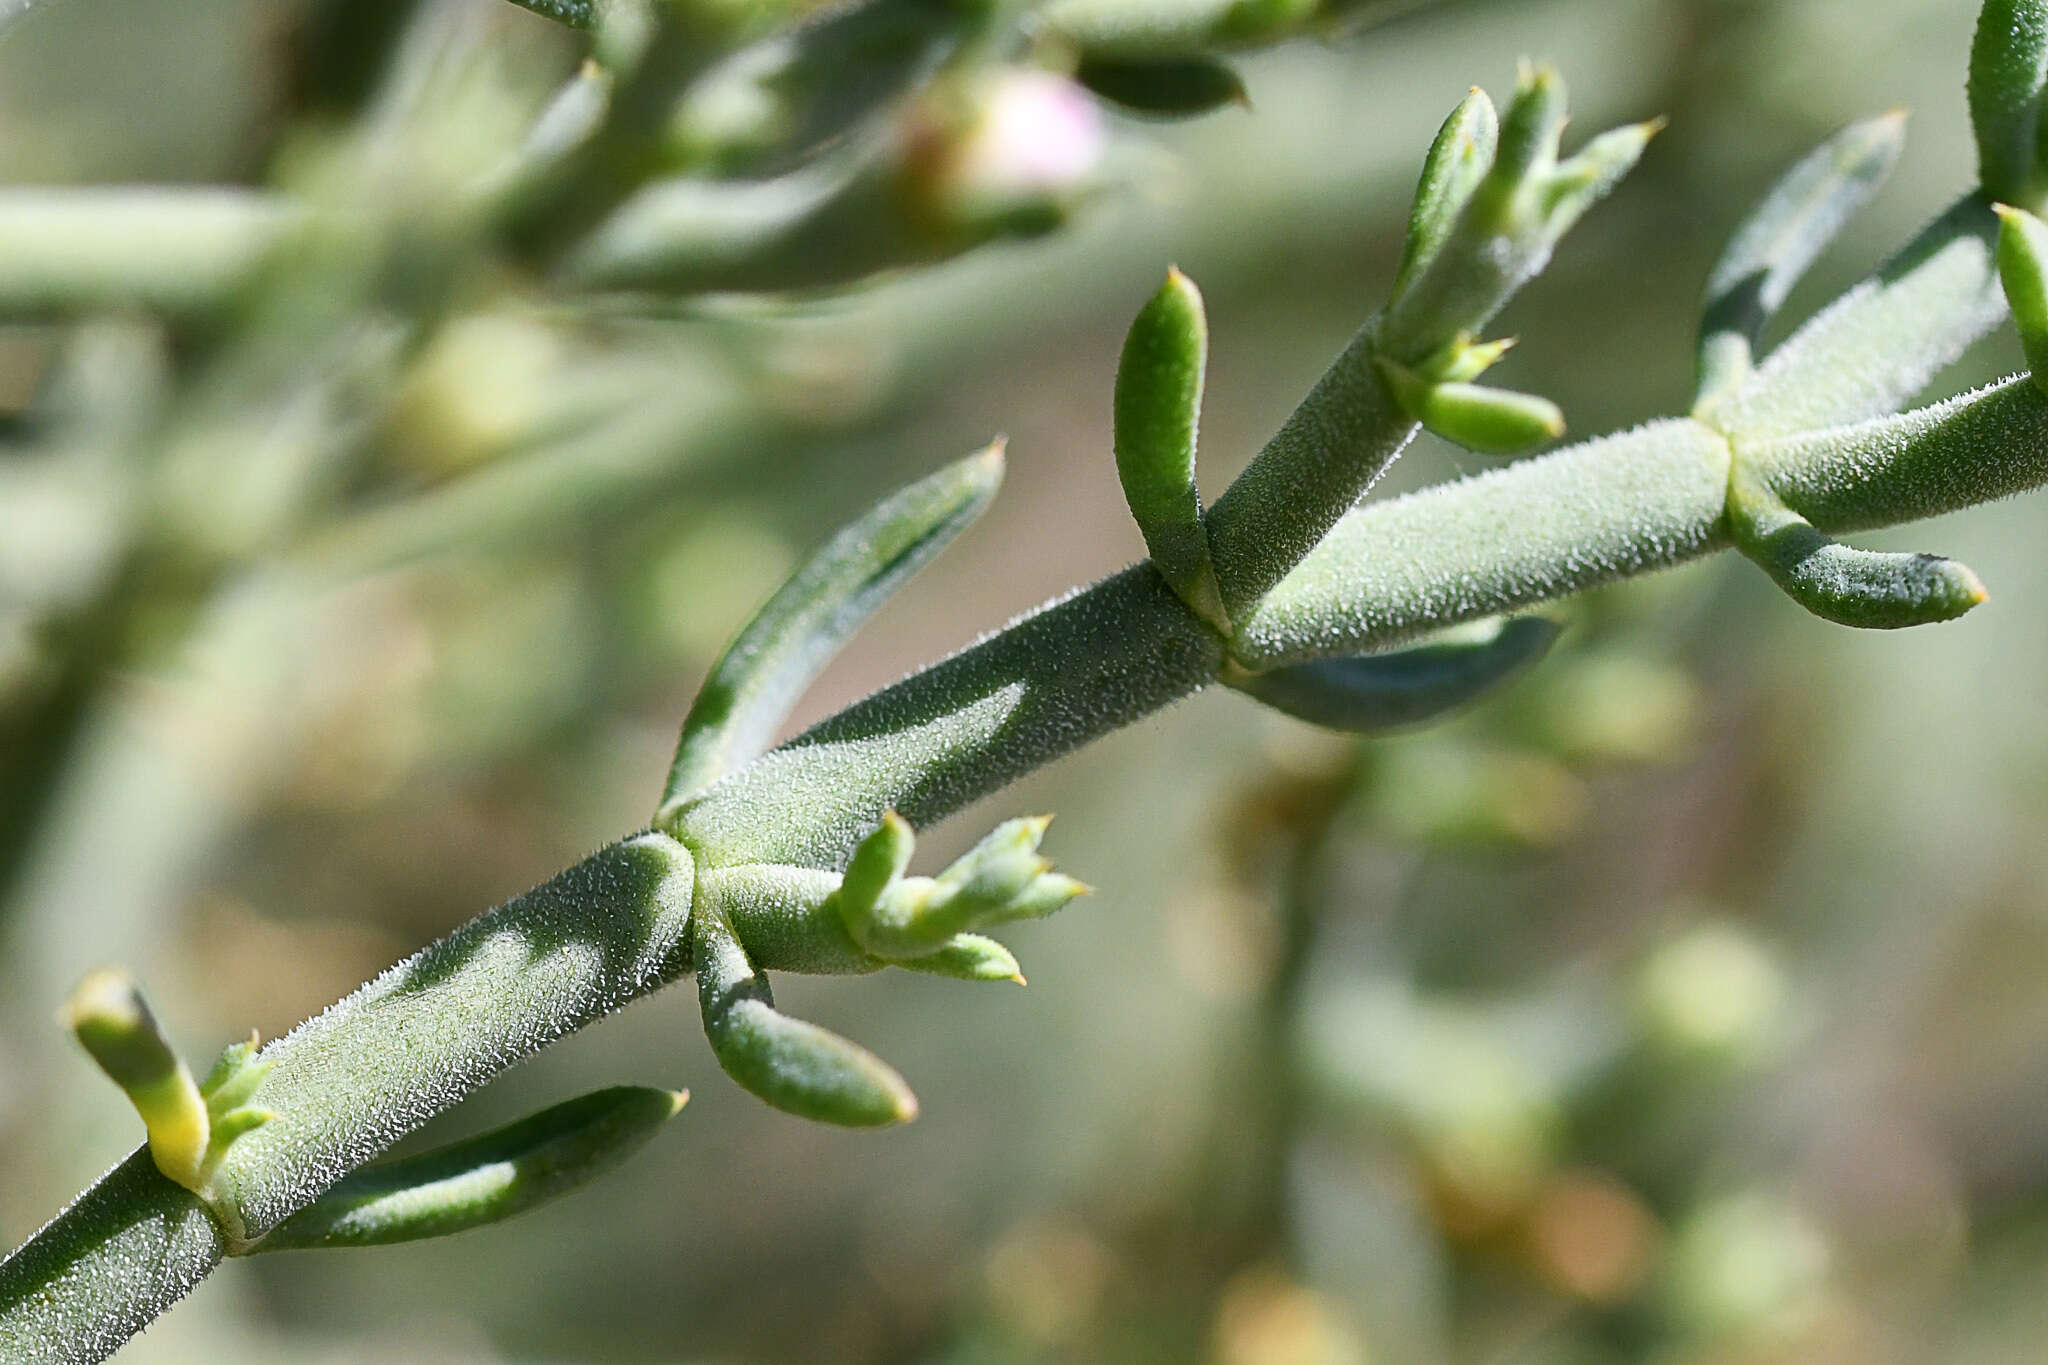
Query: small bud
111	1019
1167	87
1458	160
2023	268
1005	151
1158	413
1377	693
1000	879
481	1180
1488	420
1465	360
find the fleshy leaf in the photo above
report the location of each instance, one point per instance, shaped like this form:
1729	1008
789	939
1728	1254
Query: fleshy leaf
1864	588
782	649
2023	271
234	1077
1375	693
1783	236
797	1067
1488	420
1158	415
481	1180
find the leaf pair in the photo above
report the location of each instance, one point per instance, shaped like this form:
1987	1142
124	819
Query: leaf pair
1814	380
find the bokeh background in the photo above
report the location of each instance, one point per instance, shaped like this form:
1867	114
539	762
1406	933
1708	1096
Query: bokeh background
1683	1003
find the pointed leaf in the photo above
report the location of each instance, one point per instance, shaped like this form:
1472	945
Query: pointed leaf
797	1067
2023	272
1158	414
1529	133
782	649
1578	184
1379	692
878	863
481	1180
1782	237
234	1077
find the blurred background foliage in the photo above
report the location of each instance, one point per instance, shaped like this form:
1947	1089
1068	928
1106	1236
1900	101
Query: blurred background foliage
1681	1004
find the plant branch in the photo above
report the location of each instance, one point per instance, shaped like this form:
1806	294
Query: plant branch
1807	423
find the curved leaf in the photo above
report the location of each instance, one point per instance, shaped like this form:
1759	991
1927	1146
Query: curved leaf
764	670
